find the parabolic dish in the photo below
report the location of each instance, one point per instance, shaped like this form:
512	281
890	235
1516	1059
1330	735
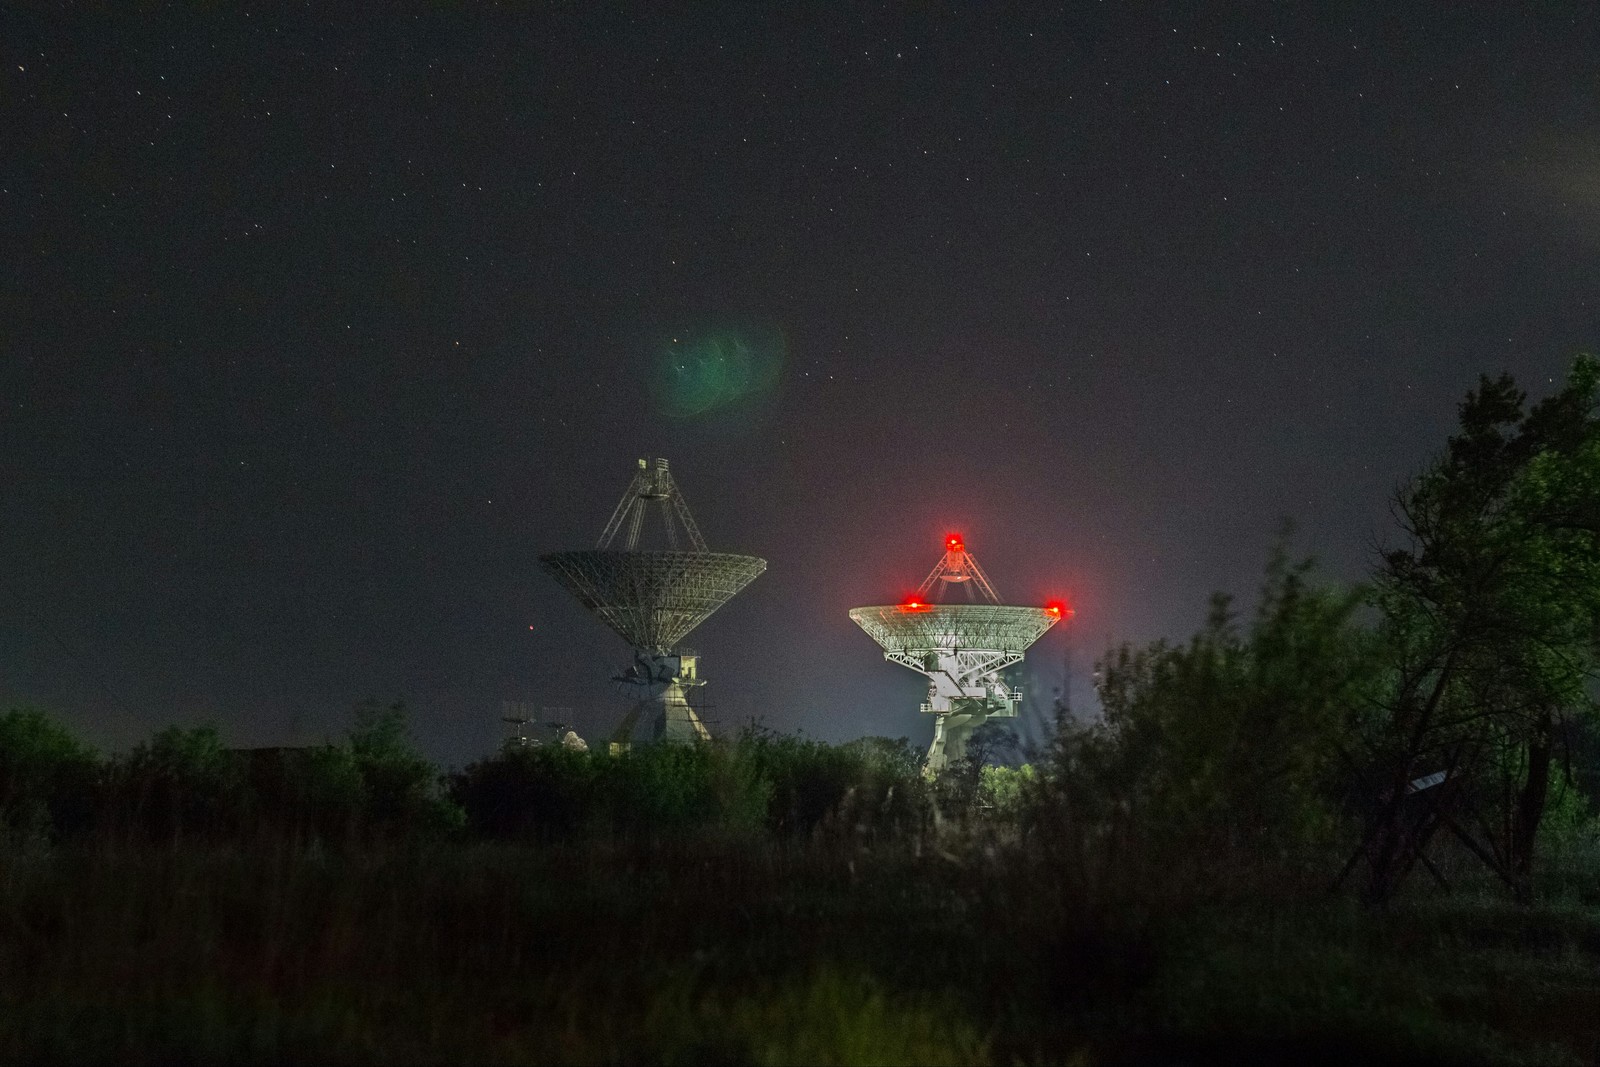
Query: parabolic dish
652	599
975	627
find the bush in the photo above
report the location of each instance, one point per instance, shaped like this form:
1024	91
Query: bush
400	789
1220	756
1003	791
788	786
184	783
181	782
872	785
526	793
548	793
48	778
305	792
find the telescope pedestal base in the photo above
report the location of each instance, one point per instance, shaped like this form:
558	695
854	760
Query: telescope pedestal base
670	716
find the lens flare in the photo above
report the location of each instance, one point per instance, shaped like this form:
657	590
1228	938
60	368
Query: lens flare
699	374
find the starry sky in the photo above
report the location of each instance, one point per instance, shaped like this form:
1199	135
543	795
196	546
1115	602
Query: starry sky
318	331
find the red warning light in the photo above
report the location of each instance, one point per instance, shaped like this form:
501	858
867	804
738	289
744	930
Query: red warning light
915	603
954	543
1059	609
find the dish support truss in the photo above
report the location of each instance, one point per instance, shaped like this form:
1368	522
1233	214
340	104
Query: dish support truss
965	690
653	484
960	567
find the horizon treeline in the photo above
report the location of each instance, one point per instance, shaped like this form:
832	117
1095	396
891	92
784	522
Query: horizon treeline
183	786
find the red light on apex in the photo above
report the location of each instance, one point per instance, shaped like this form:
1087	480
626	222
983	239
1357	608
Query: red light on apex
954	543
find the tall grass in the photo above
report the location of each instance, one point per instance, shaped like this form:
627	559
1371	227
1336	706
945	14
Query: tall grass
461	953
717	951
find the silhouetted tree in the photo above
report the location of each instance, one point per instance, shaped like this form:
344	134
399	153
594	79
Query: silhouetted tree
401	789
48	778
1490	613
180	783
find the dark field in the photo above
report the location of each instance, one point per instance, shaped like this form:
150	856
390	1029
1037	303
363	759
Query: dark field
751	952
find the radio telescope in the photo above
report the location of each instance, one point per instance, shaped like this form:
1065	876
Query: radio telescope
962	648
653	599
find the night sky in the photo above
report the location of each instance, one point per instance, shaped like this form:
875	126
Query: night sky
316	333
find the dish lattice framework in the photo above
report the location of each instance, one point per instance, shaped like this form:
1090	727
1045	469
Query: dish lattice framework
652	599
990	637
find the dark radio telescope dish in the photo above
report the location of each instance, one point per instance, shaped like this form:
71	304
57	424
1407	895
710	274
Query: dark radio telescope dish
652	599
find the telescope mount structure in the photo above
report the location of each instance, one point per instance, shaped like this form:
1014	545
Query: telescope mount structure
961	648
653	599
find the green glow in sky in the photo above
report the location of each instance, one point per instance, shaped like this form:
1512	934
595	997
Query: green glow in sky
696	375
